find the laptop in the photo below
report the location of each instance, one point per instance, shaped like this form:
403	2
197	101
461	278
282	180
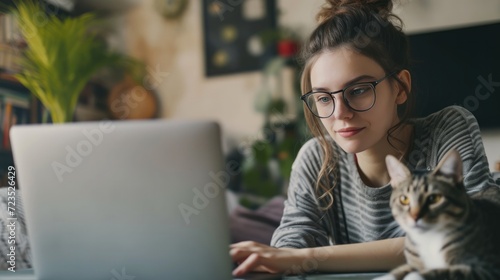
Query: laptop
124	200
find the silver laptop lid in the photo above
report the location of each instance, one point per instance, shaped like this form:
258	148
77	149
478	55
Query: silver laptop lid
116	200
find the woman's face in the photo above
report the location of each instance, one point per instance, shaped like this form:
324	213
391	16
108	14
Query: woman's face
355	131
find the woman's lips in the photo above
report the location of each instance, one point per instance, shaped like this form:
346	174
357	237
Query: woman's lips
349	131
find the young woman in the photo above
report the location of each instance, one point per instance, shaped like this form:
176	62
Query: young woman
357	91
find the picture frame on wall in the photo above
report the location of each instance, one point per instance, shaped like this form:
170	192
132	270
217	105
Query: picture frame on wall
233	40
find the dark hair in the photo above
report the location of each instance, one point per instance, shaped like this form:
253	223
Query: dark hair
366	27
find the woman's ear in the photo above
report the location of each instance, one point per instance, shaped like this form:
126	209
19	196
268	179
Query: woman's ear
405	77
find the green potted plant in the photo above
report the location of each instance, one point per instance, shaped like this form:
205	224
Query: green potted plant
61	57
267	166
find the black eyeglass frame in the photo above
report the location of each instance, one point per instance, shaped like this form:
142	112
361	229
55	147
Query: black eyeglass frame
372	84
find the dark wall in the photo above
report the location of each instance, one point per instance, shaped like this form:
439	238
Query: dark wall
459	66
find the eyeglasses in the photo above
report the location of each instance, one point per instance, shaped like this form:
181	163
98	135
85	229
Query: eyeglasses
358	97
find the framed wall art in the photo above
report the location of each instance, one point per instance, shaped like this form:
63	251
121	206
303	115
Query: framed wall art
233	40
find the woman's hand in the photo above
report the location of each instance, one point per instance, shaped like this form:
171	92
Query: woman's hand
381	255
253	256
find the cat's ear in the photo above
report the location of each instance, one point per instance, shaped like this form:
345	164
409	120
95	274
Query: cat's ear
397	171
450	166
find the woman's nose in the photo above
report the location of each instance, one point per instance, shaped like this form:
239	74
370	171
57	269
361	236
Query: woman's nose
342	111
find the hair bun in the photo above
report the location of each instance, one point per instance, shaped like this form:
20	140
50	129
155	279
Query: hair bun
335	7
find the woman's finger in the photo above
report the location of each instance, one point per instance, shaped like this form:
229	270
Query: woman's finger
247	265
246	244
239	254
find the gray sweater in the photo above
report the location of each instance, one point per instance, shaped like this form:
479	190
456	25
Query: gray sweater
361	213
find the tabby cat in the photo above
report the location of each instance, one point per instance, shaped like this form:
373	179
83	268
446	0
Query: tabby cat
449	234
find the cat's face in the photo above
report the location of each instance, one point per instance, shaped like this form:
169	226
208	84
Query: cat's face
426	202
423	201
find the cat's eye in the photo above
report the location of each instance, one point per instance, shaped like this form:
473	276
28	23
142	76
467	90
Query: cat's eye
404	200
435	198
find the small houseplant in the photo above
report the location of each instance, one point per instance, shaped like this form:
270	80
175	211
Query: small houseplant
61	57
267	166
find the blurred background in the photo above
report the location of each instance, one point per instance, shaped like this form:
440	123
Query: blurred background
235	61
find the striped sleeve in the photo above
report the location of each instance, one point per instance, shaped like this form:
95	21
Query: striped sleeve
458	128
300	225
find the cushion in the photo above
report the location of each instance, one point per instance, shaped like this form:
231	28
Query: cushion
256	225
